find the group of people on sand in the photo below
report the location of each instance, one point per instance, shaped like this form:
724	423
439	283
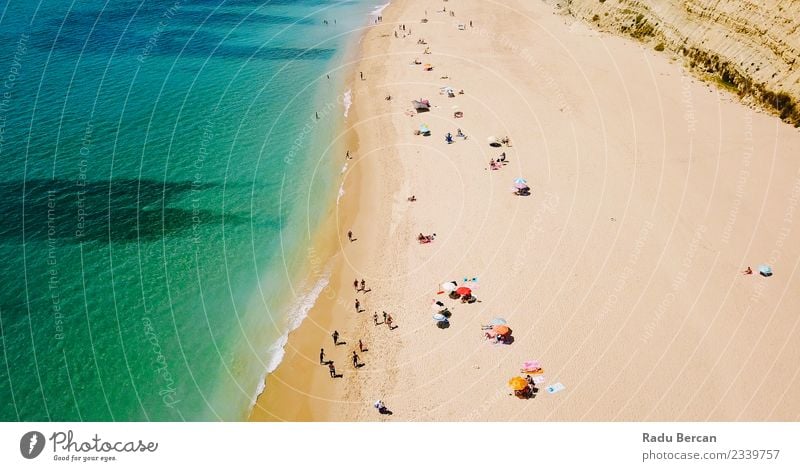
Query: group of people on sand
425	239
388	320
499	163
330	364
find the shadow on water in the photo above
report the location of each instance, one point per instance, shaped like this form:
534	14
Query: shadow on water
119	211
128	33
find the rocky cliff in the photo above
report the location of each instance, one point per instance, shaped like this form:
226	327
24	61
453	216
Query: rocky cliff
750	47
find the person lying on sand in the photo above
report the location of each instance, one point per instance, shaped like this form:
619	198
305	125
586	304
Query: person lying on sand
412	198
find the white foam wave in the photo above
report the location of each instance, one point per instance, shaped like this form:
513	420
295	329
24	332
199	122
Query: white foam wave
297	313
378	10
341	193
347	101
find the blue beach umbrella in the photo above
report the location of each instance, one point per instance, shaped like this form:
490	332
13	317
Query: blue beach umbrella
498	321
439	317
520	181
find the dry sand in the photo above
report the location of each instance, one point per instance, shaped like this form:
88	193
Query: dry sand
621	273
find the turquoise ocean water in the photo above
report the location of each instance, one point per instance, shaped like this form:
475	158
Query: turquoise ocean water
156	163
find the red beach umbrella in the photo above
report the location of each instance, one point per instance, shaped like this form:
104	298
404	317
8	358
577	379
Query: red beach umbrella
463	291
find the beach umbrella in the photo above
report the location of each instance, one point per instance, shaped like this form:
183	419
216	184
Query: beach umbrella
501	329
498	321
463	291
520	186
520	180
491	139
439	317
449	286
518	383
765	270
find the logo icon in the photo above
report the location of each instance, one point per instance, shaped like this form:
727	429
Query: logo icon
31	445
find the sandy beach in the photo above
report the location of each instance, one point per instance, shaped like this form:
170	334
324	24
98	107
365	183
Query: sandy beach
651	192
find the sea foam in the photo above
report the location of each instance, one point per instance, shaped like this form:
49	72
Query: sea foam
297	313
347	101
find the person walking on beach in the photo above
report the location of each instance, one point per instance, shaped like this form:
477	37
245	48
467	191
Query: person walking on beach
381	407
360	346
335	336
355	285
358	305
375	318
362	75
350	235
321	356
389	321
355	360
384	316
347	155
363	285
332	369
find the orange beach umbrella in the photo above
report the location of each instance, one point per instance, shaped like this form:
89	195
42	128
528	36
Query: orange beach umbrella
501	329
517	383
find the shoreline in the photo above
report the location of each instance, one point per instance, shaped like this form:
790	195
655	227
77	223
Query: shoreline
625	255
286	392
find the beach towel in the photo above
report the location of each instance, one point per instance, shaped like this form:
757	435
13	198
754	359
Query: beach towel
539	379
554	388
537	371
